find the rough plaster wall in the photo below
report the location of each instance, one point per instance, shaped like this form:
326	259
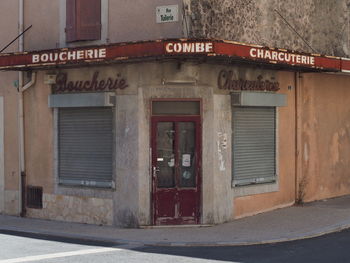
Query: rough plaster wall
285	196
11	202
44	18
75	209
136	20
152	74
325	136
2	175
323	24
216	184
222	159
126	196
38	141
9	30
11	169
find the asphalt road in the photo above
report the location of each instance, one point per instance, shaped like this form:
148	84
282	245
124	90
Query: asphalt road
28	248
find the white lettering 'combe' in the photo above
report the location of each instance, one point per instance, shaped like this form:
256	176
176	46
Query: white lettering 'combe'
185	47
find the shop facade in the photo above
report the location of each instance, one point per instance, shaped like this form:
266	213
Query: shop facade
181	132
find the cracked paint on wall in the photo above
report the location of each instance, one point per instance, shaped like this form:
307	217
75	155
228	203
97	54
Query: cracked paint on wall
222	146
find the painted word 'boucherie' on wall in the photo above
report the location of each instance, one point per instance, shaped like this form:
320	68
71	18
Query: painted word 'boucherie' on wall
281	56
71	55
95	84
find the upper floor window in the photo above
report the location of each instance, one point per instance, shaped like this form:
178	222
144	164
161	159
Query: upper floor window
83	20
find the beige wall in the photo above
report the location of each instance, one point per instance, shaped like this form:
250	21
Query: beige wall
285	196
122	21
9	30
325	138
136	20
38	138
43	15
2	172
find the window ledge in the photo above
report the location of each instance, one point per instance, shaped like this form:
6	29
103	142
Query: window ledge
255	189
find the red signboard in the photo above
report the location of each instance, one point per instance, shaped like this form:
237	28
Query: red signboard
182	48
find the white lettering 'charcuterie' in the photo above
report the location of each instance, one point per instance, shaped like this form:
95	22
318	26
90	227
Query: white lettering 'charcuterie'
281	56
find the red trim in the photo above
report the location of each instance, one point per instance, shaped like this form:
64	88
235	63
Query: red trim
177	48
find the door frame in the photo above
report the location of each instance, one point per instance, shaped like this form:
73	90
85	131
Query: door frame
196	118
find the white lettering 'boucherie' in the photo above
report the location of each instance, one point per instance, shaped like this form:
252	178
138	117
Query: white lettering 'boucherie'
280	56
185	47
72	55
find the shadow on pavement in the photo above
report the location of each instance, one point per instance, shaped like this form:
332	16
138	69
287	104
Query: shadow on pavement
333	247
88	242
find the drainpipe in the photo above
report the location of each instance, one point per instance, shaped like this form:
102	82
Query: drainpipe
21	203
22	179
298	134
21	89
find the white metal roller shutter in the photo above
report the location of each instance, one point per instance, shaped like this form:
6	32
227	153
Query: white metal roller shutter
85	138
254	145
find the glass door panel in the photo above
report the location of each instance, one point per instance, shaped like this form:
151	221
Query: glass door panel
165	169
187	157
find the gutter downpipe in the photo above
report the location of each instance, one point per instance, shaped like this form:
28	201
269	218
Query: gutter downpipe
21	141
298	136
21	200
21	89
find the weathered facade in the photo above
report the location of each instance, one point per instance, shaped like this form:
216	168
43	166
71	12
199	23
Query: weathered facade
172	145
324	25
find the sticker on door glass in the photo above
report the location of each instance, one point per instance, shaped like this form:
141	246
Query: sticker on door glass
186	160
171	162
186	175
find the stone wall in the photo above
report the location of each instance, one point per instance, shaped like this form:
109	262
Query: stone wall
323	24
75	209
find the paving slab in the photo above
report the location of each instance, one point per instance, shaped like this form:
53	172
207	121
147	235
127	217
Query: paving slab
286	224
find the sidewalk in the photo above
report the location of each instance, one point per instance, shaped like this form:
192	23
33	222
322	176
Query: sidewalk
297	222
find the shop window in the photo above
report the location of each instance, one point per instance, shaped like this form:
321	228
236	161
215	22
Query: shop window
254	145
83	20
85	146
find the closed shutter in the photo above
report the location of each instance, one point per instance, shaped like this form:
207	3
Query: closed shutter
83	20
254	145
86	146
89	19
71	26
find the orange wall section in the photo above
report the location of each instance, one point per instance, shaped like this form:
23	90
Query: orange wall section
39	135
254	204
325	135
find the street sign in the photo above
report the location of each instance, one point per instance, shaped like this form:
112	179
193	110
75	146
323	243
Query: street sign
167	13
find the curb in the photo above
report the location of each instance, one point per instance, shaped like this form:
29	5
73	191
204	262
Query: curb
111	242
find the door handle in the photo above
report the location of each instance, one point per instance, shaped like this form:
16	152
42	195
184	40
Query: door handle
155	170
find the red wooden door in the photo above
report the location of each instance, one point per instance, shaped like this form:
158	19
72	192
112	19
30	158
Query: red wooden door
176	169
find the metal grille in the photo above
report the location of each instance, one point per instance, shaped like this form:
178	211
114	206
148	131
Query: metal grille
34	197
86	146
254	145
